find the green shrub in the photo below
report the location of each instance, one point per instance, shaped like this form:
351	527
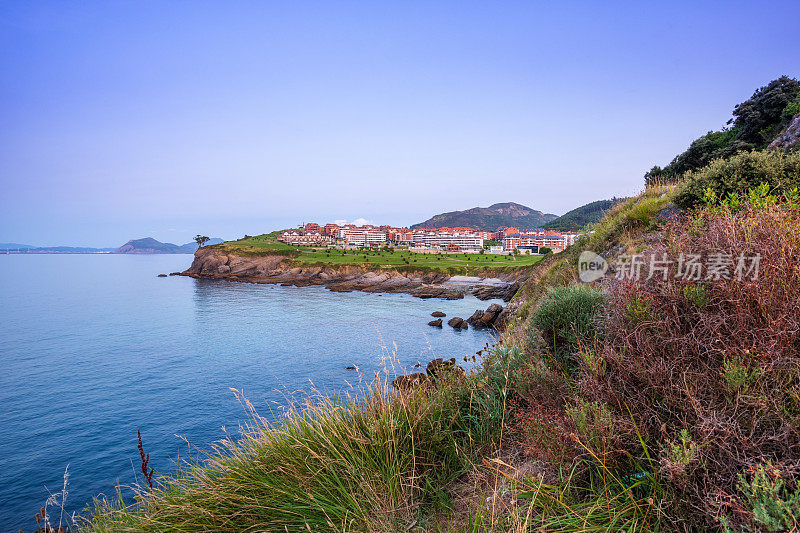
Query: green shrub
770	504
697	295
566	317
738	375
594	423
747	171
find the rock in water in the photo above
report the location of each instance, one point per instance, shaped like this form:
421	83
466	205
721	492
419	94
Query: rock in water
437	314
485	319
440	368
457	323
410	381
162	275
475	320
436	323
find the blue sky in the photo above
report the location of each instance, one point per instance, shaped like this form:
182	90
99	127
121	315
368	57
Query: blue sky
129	119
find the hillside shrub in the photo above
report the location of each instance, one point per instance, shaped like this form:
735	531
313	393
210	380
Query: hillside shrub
745	171
755	123
709	369
566	317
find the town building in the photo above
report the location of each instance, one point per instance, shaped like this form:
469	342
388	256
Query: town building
537	238
362	236
295	238
443	239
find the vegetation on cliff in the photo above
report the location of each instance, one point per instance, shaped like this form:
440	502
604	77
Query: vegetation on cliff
755	124
582	216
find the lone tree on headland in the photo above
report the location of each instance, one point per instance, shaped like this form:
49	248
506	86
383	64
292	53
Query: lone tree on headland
201	240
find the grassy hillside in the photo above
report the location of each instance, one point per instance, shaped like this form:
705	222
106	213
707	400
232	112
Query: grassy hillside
581	216
382	258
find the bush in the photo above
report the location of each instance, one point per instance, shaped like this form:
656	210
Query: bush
566	317
769	504
710	370
742	172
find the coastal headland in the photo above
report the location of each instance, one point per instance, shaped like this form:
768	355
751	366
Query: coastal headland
357	274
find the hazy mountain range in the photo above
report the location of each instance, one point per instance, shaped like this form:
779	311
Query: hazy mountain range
147	245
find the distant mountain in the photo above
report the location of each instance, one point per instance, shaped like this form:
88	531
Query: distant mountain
581	216
149	245
14	247
489	218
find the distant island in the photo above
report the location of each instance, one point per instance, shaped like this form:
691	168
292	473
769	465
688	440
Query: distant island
489	218
147	245
17	248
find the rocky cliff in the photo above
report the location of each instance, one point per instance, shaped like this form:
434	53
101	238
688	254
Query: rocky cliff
221	264
789	138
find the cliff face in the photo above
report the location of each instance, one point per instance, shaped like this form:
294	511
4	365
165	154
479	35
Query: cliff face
790	137
220	264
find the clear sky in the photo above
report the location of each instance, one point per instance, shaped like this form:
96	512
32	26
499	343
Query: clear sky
122	120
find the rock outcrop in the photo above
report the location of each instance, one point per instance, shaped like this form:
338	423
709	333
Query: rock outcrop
436	323
457	323
788	138
410	381
440	367
218	263
438	314
485	319
435	371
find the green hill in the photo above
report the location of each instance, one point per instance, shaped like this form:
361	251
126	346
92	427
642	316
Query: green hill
149	245
581	216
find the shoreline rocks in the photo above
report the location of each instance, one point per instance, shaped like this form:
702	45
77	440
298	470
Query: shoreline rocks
436	323
485	319
214	263
438	314
457	323
435	371
410	381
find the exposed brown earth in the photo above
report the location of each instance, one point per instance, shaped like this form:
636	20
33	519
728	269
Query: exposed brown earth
219	264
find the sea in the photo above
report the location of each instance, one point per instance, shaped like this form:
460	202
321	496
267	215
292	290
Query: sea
96	347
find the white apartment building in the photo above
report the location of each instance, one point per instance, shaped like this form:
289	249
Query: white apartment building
362	236
465	241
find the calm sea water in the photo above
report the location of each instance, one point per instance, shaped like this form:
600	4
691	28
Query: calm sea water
93	347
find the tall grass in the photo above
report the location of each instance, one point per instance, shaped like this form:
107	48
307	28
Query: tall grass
382	464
